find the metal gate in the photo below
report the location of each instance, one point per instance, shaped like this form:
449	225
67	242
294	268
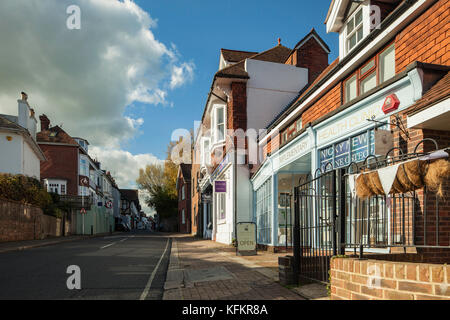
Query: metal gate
330	219
316	229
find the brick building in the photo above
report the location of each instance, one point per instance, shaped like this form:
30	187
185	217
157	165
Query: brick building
248	91
387	89
70	172
184	198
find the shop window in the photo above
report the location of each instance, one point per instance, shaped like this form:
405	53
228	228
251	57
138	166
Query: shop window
264	212
378	70
221	202
354	30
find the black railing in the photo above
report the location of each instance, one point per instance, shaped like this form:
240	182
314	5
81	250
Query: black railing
331	218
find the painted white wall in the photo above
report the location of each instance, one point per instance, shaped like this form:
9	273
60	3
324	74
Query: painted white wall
17	157
31	163
270	88
224	228
11	153
244	196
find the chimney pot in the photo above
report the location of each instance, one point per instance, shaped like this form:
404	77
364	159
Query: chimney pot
24	96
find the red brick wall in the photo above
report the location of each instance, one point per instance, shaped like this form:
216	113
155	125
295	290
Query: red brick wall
311	56
62	163
329	102
351	280
184	204
19	222
427	39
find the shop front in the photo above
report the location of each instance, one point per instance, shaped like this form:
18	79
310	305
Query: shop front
348	135
273	192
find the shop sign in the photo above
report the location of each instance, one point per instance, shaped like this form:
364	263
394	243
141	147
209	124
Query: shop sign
295	151
246	239
355	149
220	186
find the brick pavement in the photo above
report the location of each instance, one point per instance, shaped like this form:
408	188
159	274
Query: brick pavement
225	276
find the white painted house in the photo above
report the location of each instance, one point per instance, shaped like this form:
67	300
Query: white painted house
19	151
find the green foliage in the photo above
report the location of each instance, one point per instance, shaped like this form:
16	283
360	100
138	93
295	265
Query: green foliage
24	189
159	182
29	191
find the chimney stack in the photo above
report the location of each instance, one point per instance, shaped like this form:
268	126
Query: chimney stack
24	96
45	122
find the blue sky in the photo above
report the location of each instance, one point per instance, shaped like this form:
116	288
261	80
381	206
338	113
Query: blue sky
199	29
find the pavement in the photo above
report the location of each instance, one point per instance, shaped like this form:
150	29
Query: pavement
129	266
207	270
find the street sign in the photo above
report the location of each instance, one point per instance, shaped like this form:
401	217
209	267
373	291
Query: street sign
83	211
84	181
246	239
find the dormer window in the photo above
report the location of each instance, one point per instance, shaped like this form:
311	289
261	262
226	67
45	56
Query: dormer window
355	30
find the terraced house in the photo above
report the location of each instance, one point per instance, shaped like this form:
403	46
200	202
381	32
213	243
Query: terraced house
350	166
247	92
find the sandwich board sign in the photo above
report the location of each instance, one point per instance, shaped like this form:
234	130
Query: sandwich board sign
246	239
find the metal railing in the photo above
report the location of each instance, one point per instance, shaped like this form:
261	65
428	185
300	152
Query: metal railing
330	219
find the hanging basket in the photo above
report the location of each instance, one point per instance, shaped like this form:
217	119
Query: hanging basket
411	175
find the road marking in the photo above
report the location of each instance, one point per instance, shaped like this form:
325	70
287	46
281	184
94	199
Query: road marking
149	283
109	245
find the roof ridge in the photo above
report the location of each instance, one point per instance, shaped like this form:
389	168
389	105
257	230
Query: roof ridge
251	57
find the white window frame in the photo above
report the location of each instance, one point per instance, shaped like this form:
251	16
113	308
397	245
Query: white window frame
214	124
361	26
206	154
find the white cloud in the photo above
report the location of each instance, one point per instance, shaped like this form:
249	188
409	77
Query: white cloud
181	75
124	167
85	78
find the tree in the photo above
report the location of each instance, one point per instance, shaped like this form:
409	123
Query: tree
160	180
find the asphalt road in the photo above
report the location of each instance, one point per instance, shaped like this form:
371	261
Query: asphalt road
131	266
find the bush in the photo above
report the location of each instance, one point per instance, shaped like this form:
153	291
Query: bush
24	189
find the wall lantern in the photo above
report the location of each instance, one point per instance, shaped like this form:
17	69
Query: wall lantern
9	138
390	104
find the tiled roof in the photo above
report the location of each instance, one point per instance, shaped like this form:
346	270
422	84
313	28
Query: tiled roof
55	135
440	91
6	123
277	54
236	55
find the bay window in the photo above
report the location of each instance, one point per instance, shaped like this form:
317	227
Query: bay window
376	71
